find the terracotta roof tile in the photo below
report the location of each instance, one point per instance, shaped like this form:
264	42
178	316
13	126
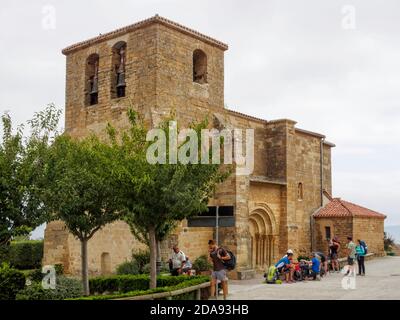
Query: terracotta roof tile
340	208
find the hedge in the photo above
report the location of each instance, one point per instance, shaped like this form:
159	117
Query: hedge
129	283
11	282
65	288
36	275
184	283
25	255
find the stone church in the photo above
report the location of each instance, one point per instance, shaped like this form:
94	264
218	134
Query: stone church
157	65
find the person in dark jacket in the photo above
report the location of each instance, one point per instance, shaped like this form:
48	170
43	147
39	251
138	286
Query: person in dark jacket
360	253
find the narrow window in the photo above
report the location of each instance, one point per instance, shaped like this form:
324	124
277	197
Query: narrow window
92	80
199	67
300	194
118	82
105	263
328	233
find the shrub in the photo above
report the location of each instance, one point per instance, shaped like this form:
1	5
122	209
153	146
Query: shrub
128	283
303	258
26	254
202	264
35	275
129	267
4	253
139	264
142	259
11	282
66	288
59	269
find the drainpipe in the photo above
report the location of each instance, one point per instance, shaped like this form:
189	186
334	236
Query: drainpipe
312	221
322	170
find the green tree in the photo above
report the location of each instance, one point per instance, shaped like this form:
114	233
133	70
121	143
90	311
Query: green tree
388	242
22	162
157	196
81	190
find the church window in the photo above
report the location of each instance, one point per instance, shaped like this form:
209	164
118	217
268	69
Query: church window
92	80
327	233
300	191
118	81
199	67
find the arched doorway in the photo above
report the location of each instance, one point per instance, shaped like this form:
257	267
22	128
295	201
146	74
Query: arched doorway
262	230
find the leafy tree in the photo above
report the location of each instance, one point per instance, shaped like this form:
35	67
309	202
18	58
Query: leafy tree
388	242
81	190
157	196
22	161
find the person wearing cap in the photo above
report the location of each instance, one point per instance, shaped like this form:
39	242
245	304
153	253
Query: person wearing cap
286	266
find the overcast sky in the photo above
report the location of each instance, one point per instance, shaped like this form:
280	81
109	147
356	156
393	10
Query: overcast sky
309	61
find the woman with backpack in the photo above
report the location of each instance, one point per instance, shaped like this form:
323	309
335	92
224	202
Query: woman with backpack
360	252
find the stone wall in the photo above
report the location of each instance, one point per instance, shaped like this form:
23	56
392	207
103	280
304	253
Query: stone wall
308	174
340	227
56	250
368	229
371	231
109	247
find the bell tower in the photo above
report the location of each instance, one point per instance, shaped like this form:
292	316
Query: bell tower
154	66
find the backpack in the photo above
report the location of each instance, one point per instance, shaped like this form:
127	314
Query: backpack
364	246
272	275
231	263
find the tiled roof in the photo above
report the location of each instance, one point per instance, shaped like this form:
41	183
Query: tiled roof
339	208
141	24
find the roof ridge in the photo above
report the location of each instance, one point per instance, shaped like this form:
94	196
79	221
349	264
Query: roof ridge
344	206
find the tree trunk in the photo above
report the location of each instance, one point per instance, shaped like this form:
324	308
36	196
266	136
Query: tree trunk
85	271
158	263
153	257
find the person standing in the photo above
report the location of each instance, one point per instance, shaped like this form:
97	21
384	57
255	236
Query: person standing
351	254
360	251
177	261
219	273
334	247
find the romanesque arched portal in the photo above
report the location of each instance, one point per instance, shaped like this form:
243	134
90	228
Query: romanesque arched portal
263	233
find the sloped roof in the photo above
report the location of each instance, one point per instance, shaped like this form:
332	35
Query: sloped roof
144	23
338	208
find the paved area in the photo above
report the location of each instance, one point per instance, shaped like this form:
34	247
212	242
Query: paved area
381	282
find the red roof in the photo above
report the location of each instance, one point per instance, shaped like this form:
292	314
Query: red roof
339	208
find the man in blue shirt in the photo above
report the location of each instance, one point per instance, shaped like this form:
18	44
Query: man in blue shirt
285	266
315	266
